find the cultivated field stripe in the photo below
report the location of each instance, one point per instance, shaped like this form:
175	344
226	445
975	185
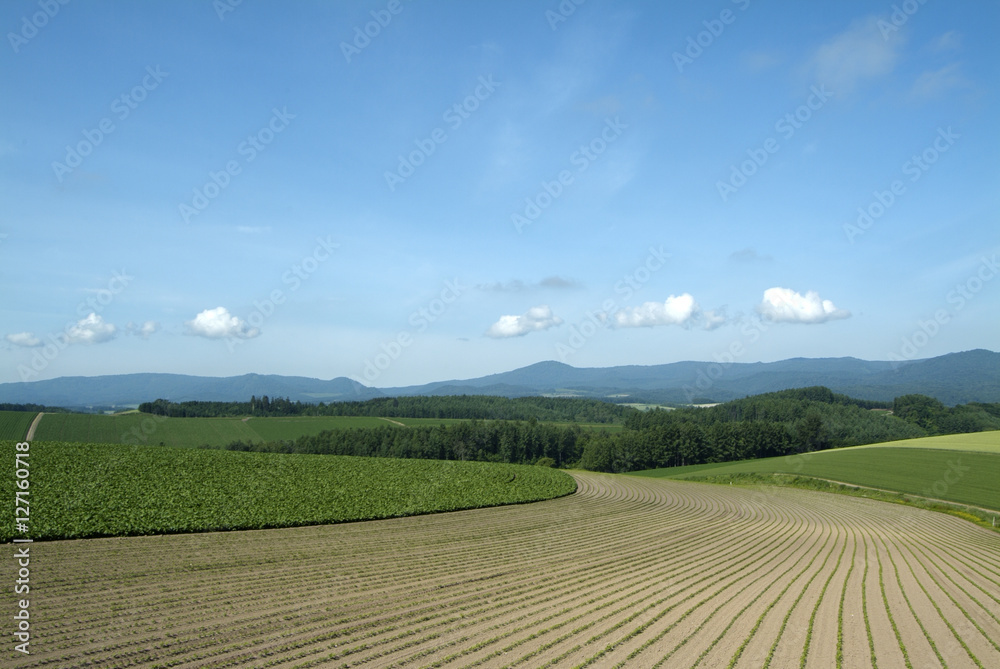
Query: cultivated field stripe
626	572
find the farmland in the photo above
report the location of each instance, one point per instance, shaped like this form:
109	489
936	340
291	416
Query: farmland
628	571
15	424
957	468
86	490
140	428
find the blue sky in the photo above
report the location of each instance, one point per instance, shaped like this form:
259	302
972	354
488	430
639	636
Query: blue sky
402	192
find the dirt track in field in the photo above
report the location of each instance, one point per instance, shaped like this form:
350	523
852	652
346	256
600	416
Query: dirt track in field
34	426
626	572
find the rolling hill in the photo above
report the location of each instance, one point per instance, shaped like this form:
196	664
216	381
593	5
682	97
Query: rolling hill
970	376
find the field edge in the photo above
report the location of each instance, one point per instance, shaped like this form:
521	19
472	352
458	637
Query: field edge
977	515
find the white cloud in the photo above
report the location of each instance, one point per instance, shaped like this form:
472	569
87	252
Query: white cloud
218	323
859	53
784	305
536	318
26	339
675	310
144	330
90	330
935	84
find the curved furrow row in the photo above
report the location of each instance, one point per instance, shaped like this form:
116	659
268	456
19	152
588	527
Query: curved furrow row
627	571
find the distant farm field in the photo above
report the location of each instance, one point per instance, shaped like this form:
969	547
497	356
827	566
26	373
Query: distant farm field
627	572
85	490
140	428
15	424
936	467
987	442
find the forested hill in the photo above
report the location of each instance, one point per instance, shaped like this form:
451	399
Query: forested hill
792	421
956	378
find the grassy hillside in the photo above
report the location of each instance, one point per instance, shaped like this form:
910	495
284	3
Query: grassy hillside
15	424
936	467
87	490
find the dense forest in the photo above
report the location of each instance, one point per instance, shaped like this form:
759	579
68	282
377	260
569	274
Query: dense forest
781	423
483	407
8	406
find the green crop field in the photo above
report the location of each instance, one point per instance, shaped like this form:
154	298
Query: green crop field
916	467
87	490
140	428
988	442
15	424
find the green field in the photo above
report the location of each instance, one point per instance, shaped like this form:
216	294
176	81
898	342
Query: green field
88	490
139	428
987	442
957	468
15	424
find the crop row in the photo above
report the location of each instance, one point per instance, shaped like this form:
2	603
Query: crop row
626	572
15	424
87	490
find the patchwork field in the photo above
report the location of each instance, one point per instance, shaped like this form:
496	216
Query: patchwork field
961	468
139	428
147	429
625	572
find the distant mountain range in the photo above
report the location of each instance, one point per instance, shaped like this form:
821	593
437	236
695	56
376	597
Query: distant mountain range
956	378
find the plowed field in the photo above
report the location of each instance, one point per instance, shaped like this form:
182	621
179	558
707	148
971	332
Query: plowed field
625	572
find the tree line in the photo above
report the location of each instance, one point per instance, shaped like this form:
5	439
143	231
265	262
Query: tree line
774	424
483	407
527	430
